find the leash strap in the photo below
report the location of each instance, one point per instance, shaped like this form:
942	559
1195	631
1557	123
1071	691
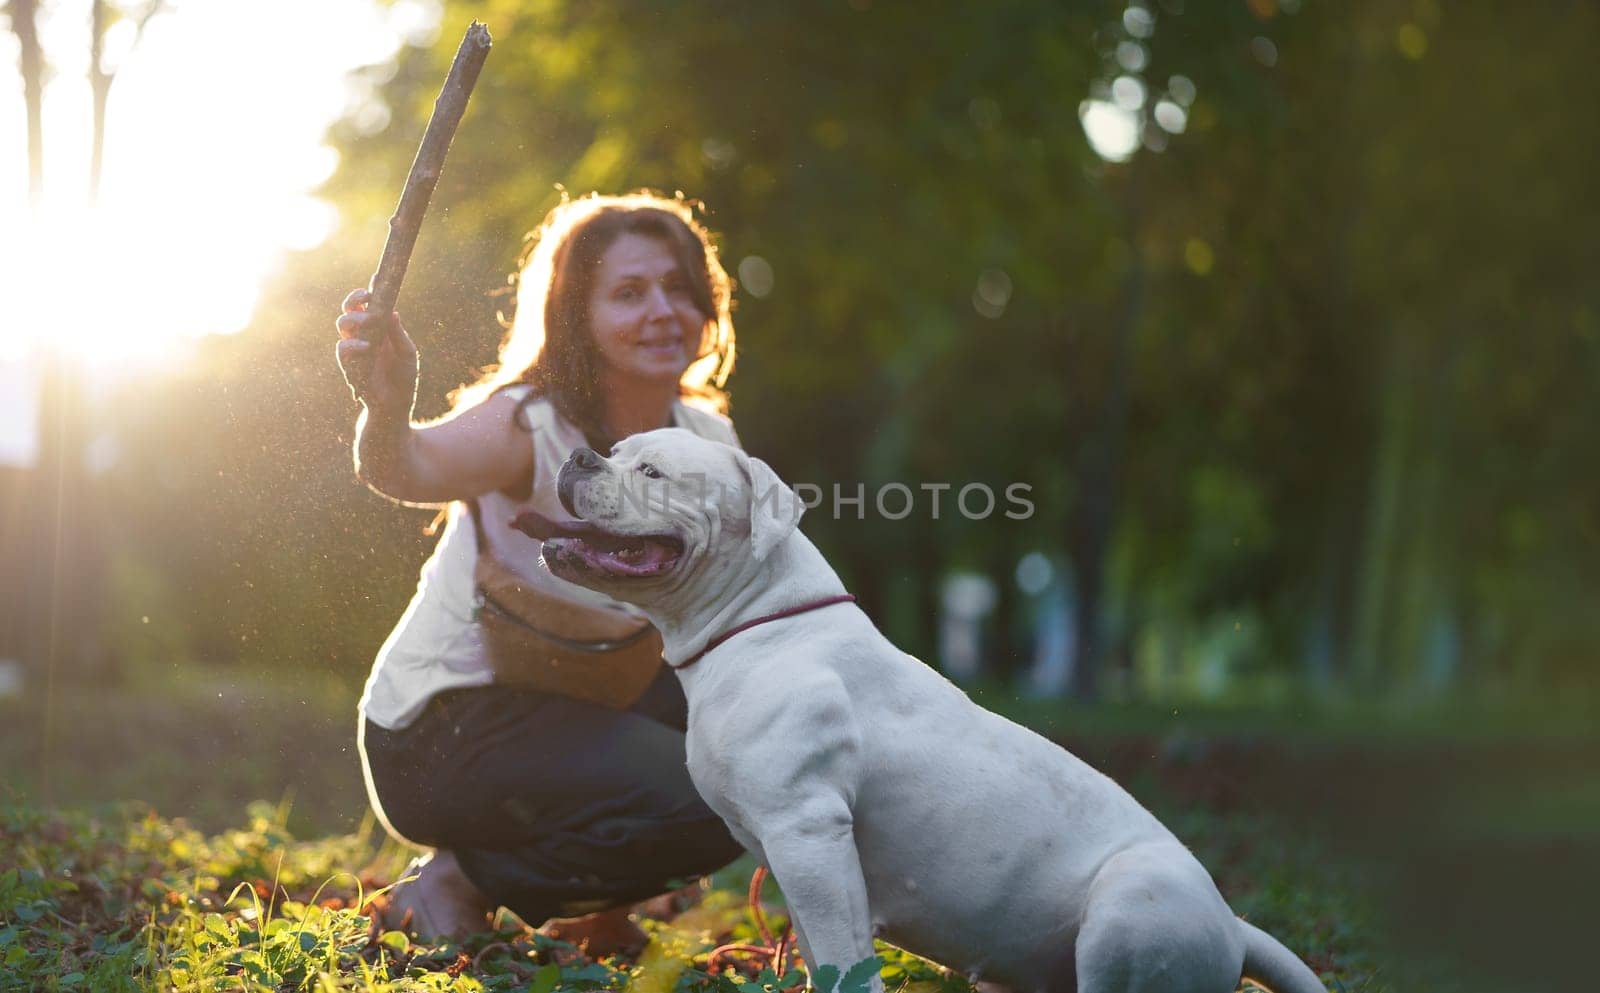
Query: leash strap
747	625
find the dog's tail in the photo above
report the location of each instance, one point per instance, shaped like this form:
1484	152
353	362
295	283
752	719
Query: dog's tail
1267	962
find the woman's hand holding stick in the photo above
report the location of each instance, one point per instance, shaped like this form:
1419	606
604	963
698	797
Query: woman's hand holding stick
407	219
378	359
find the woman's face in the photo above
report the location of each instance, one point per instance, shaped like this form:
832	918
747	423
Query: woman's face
641	315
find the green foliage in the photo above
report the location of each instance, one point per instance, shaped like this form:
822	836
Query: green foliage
1285	350
854	980
128	901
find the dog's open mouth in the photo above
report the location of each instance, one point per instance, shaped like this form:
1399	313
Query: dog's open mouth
591	546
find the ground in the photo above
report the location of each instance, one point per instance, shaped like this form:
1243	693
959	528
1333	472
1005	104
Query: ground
102	887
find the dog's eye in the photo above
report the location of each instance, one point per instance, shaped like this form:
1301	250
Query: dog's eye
650	471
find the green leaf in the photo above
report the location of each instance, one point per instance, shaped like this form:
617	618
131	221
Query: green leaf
395	940
825	978
545	979
216	924
593	973
860	975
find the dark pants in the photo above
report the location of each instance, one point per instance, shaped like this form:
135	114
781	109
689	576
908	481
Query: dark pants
554	807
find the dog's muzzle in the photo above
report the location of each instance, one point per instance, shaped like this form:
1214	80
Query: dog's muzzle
582	462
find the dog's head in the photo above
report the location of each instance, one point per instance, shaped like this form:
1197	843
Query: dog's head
664	509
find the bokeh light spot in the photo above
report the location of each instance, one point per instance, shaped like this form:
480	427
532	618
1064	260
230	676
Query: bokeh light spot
1171	116
1412	42
1113	133
1132	56
985	113
1182	89
717	153
756	276
992	293
1139	21
1034	573
1128	92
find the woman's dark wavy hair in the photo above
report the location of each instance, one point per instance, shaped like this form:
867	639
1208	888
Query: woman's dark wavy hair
548	344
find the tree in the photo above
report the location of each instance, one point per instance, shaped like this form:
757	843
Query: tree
64	552
31	65
1309	376
102	16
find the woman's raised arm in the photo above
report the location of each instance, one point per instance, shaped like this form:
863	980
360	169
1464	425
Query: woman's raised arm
466	454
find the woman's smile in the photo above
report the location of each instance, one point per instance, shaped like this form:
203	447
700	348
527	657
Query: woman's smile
670	345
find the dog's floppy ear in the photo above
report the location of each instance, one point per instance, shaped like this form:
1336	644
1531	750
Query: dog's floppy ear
774	508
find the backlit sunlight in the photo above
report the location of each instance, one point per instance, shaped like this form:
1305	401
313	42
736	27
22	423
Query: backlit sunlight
213	146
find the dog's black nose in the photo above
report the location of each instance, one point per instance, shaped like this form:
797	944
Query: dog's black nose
581	460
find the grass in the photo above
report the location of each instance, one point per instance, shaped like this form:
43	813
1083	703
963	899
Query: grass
190	741
177	891
125	900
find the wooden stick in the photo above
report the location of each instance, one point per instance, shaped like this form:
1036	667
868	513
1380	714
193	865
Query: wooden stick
407	219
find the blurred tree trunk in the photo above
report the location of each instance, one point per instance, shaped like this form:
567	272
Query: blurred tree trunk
1405	626
100	86
30	62
25	542
61	618
929	576
101	78
1003	653
1417	586
72	633
1326	633
65	591
14	580
870	585
1391	453
1099	468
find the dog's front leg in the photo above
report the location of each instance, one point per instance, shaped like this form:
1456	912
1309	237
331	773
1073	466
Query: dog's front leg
785	773
816	866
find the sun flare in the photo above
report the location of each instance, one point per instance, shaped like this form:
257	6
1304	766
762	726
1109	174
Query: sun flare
110	286
213	154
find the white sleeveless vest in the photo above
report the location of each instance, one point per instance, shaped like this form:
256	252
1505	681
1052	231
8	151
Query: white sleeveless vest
436	646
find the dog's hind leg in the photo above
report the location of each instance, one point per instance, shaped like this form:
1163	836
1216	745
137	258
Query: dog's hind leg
1155	923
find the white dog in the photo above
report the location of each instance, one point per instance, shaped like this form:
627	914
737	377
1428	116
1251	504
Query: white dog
884	801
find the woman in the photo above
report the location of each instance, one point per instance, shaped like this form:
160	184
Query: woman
543	803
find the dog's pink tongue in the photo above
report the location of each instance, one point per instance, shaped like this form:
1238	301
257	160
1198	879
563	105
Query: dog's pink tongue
647	558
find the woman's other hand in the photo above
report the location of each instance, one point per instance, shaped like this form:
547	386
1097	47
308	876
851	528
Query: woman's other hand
381	372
